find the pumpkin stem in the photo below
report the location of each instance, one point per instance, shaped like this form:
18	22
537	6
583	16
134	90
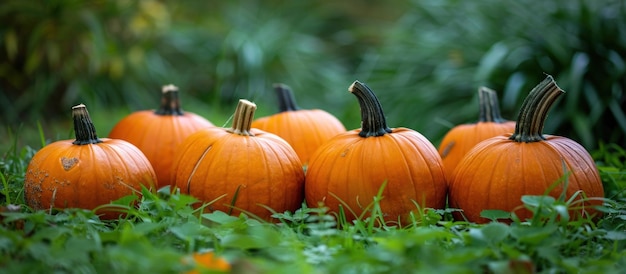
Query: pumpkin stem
373	122
242	120
286	99
170	103
83	126
534	111
489	111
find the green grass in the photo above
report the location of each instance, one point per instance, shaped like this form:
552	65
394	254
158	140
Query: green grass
163	229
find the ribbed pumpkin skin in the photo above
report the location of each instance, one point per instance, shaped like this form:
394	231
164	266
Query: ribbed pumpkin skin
496	173
460	139
354	168
304	130
157	136
262	169
64	175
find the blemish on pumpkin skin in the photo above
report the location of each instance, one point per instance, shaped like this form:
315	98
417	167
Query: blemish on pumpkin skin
68	163
447	149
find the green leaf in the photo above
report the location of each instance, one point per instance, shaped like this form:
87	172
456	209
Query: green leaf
495	214
187	231
534	201
615	235
533	234
255	237
490	233
219	217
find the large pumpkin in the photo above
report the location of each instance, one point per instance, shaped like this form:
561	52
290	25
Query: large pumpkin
87	172
497	172
351	168
240	168
461	138
157	133
304	129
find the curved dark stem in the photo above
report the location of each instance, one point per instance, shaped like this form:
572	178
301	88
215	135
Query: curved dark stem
489	109
534	111
373	122
83	126
170	102
286	99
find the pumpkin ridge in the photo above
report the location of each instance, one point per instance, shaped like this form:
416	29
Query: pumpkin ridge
282	153
195	168
151	144
136	154
487	183
268	175
574	151
316	133
121	160
409	168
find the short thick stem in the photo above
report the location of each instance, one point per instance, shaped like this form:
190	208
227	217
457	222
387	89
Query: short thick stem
170	102
489	109
373	122
83	126
286	99
534	111
242	119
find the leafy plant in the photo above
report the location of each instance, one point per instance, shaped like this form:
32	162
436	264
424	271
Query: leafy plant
438	51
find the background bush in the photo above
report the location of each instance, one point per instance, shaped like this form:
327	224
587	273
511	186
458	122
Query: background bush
425	59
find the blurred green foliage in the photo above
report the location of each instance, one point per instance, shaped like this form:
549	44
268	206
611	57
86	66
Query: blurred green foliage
425	59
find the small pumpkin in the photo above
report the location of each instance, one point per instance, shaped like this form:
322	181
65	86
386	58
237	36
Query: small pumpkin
349	170
461	138
304	129
497	172
157	133
86	172
240	168
208	261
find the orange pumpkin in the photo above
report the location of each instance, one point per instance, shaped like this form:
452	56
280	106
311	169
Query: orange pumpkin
240	168
157	133
349	170
460	139
87	172
208	261
304	129
497	172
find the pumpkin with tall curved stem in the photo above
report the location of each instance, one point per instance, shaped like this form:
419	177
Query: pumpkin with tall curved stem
350	169
497	172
